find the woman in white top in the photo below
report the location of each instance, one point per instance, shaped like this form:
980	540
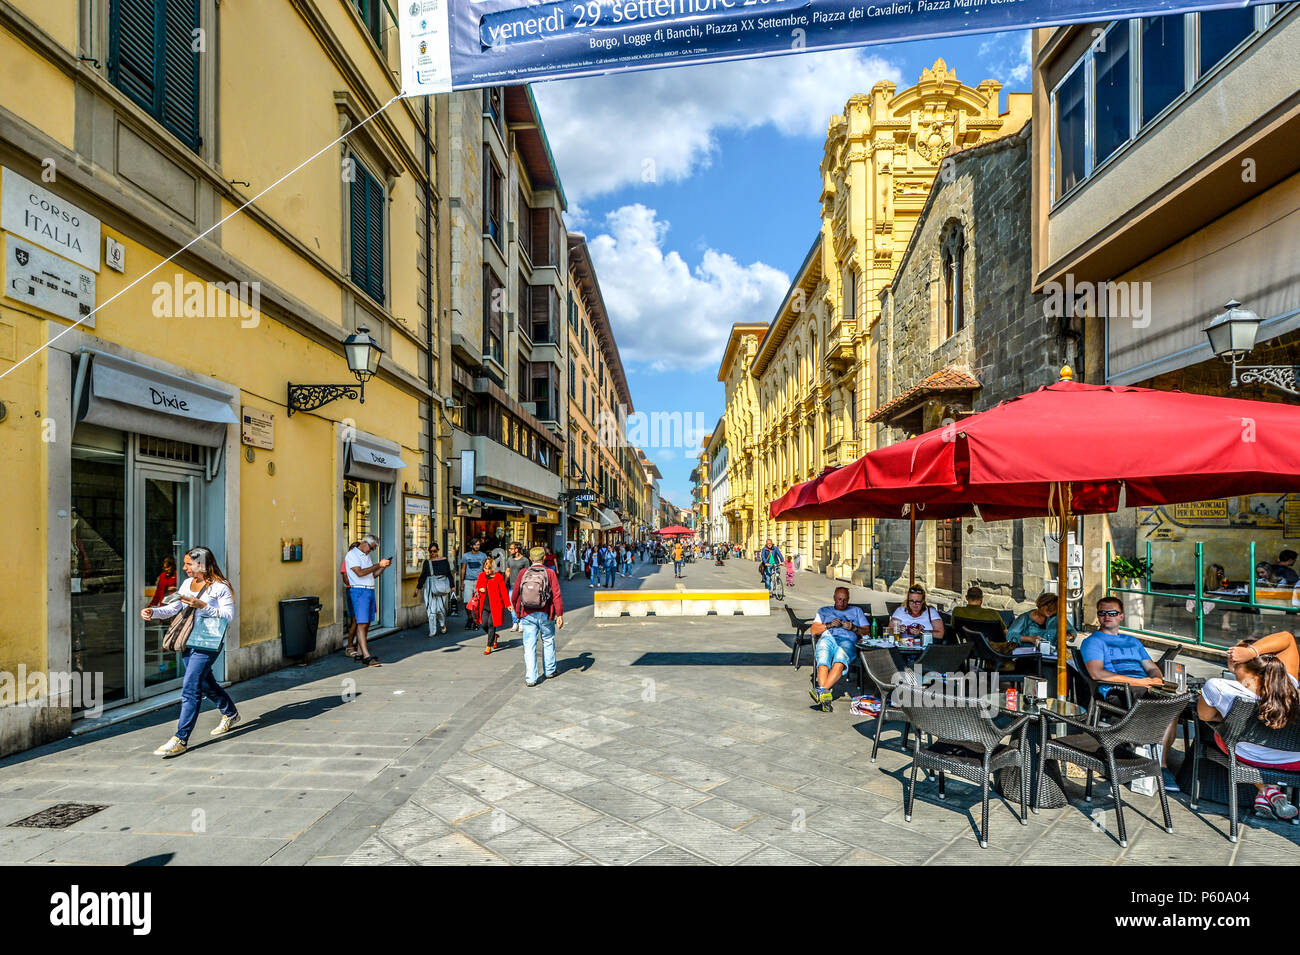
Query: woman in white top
204	593
1265	670
915	618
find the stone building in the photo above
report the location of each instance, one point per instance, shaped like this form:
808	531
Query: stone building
962	329
740	423
814	366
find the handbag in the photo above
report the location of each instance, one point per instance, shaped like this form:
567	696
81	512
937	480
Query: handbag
439	586
177	638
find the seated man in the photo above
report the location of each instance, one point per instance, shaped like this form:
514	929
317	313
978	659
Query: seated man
1121	658
836	629
975	609
1037	625
1284	571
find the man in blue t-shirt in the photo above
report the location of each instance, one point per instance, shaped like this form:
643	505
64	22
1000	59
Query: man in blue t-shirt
1116	657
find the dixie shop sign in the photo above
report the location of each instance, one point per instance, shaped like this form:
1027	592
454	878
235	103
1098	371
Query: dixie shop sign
38	215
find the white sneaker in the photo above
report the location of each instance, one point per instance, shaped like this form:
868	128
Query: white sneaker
224	726
173	747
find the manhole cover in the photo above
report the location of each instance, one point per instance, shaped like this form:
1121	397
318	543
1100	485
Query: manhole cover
59	817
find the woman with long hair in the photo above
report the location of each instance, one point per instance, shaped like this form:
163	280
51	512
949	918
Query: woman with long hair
206	603
435	586
1265	669
493	599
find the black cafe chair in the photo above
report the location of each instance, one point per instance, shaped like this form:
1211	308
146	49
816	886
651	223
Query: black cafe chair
1242	725
982	634
879	668
801	637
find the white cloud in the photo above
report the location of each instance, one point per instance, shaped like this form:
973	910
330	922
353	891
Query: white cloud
665	314
1007	57
661	125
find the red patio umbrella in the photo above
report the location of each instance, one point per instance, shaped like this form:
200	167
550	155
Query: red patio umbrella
676	530
1160	447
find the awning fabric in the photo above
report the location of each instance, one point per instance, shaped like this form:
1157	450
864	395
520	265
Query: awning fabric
373	459
495	502
608	519
128	396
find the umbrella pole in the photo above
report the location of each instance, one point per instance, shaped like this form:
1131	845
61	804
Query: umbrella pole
1062	575
911	548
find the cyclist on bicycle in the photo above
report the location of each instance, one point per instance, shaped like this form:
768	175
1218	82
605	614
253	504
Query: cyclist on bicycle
770	558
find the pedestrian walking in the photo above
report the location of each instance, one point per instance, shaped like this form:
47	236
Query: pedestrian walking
515	562
203	607
550	561
490	602
627	562
540	607
679	556
363	573
611	566
471	565
435	586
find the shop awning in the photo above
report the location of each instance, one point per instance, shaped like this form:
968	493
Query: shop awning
127	396
608	519
493	502
373	459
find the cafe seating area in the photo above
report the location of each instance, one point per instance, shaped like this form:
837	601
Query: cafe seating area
961	708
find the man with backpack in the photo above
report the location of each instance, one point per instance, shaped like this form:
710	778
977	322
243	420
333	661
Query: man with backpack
539	607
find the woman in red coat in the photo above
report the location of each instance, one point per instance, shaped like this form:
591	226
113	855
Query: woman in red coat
493	599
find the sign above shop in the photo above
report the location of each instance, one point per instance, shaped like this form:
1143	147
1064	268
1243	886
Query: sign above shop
49	283
258	429
128	382
35	213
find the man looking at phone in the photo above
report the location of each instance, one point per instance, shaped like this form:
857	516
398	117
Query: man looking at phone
362	574
836	629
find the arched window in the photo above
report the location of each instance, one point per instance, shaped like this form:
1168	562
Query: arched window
952	257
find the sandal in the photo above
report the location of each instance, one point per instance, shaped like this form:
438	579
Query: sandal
371	661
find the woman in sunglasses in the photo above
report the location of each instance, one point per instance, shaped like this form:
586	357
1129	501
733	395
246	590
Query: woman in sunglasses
916	618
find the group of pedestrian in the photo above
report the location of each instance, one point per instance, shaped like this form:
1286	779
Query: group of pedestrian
604	562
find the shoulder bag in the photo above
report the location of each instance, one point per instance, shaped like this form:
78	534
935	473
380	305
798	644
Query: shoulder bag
177	638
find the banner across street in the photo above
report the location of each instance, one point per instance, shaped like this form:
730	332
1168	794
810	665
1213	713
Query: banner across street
459	44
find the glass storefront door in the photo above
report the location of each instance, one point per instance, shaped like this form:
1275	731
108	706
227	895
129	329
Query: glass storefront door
132	521
166	521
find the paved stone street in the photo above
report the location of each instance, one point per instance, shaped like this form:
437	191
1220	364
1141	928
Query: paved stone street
663	741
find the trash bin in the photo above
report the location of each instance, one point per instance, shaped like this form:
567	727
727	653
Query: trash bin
299	618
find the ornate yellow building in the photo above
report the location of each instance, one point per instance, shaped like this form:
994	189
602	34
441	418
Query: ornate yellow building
740	427
812	369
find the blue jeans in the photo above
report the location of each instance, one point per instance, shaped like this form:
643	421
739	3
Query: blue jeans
677	566
198	683
595	574
609	574
537	625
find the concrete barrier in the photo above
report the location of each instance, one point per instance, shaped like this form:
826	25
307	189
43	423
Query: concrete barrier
681	603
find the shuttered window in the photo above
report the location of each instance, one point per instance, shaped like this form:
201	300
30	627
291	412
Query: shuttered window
370	13
153	58
366	212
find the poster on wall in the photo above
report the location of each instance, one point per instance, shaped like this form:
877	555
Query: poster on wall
459	44
417	533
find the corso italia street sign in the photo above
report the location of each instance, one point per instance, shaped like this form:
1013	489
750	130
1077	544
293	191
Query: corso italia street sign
458	44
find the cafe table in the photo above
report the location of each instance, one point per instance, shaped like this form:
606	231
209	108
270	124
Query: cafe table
1007	782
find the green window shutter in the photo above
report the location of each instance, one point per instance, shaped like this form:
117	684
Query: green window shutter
180	61
133	49
366	201
151	58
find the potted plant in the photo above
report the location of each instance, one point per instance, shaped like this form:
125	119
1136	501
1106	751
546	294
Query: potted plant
1130	573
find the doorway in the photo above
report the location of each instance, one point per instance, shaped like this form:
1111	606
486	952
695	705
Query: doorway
947	555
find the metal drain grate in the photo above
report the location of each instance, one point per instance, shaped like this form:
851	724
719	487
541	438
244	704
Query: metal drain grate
59	817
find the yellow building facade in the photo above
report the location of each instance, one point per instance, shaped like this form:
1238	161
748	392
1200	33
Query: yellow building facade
146	404
812	370
740	427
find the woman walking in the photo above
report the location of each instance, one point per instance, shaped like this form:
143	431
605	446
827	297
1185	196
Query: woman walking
611	565
492	599
435	584
627	562
205	605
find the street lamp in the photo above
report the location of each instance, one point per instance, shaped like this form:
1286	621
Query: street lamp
362	353
1232	337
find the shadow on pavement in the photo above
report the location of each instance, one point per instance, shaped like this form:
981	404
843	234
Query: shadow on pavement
722	659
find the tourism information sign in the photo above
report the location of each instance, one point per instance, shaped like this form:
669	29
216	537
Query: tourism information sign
458	44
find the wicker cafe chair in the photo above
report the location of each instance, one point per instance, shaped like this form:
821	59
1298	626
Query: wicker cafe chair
967	744
801	637
1242	725
1097	750
880	669
1119	703
981	634
944	658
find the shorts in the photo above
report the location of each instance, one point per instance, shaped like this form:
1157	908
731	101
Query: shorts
831	649
1281	767
363	603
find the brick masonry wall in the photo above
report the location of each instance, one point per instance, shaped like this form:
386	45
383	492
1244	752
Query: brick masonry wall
1008	344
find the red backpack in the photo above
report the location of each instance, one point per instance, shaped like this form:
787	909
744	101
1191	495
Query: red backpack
535	589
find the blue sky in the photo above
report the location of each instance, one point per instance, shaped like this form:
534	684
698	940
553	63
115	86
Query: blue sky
697	188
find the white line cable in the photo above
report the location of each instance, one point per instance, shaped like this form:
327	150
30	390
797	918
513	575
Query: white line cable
202	234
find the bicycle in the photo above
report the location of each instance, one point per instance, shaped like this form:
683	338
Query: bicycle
776	583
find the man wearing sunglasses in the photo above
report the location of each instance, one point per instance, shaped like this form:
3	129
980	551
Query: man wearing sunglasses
1116	657
836	629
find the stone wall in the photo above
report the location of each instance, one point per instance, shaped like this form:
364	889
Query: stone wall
1008	344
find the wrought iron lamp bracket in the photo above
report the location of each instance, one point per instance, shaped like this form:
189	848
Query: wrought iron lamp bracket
311	397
